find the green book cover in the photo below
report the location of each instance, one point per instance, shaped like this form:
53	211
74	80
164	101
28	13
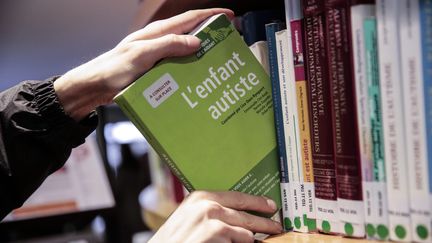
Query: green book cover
210	115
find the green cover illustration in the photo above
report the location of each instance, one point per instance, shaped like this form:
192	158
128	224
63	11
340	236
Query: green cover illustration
210	115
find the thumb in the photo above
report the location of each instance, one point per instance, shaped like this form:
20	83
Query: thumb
173	45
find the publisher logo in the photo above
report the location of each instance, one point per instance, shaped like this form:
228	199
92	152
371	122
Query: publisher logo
160	90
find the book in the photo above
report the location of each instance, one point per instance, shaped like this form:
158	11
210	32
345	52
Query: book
426	44
294	15
344	116
324	168
415	122
290	128
288	192
213	125
253	24
260	51
387	12
373	184
377	225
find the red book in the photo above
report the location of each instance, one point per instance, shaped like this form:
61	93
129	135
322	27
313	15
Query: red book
344	116
320	116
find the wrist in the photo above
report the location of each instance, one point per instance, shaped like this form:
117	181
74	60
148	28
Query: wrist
78	95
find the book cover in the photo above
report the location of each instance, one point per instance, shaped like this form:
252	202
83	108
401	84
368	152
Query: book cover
321	127
344	116
388	12
288	192
415	122
290	129
426	43
212	124
295	18
377	225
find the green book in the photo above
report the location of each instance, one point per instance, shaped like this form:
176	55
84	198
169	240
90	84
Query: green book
210	115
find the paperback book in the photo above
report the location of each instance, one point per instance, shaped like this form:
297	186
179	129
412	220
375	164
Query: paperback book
212	124
324	167
387	12
363	38
415	122
289	192
377	225
290	128
294	15
426	43
344	116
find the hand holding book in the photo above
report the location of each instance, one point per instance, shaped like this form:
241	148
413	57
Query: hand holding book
218	216
96	82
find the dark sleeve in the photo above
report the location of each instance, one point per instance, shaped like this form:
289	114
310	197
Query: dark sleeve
36	138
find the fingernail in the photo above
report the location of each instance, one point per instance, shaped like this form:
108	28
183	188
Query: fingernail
271	204
194	41
279	226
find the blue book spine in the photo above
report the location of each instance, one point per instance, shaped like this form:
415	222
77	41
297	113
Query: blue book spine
271	29
426	41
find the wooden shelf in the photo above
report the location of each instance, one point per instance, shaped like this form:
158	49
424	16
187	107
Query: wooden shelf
293	237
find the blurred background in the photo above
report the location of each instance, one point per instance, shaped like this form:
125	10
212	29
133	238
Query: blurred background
98	198
42	38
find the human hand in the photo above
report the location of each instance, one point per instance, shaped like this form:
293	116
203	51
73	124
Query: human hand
218	217
96	82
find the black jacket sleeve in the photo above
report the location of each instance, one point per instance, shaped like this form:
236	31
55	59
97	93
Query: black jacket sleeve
36	138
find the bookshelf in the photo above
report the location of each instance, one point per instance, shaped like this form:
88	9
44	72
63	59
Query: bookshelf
153	10
294	237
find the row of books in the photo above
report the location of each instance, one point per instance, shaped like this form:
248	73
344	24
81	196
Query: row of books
352	96
350	164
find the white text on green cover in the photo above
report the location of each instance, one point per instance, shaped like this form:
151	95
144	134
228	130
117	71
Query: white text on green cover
215	79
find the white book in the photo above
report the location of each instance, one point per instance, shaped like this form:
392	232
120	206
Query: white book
372	189
260	51
291	130
415	122
388	12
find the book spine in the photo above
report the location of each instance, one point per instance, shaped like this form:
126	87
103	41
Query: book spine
378	228
415	126
324	168
344	116
426	43
393	124
286	77
129	112
303	120
287	197
372	204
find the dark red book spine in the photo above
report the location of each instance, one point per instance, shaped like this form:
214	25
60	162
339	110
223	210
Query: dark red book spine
319	103
340	73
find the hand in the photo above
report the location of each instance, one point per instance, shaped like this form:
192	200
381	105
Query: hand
218	217
96	83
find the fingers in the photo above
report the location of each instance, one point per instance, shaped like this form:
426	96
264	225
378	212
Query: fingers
250	222
240	201
179	24
228	233
148	52
228	207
